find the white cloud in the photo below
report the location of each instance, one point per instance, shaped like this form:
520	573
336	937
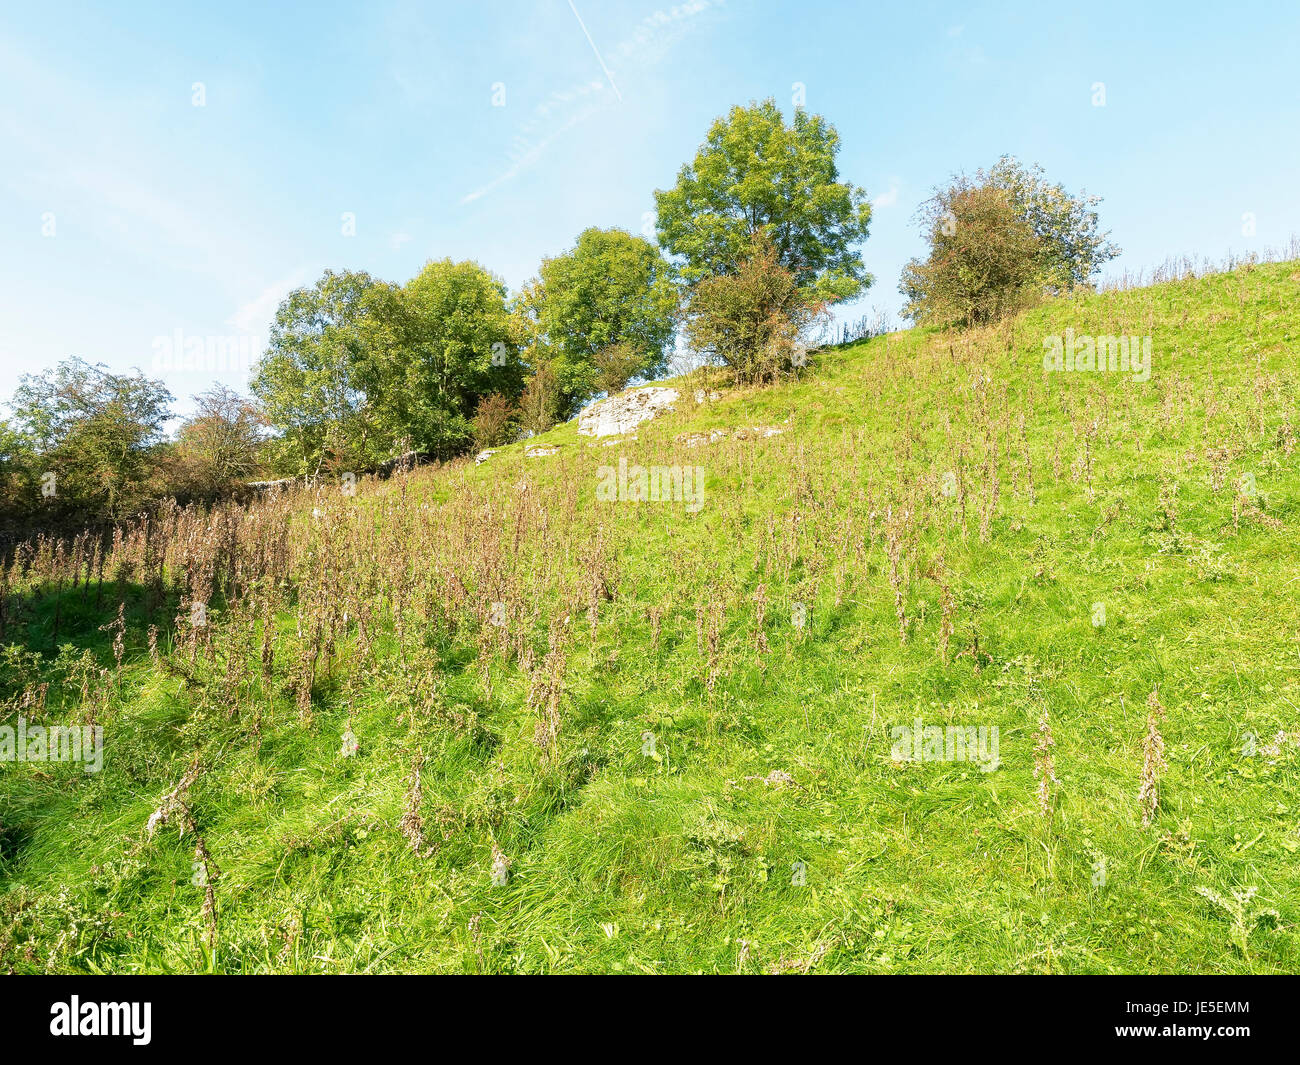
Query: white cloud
887	199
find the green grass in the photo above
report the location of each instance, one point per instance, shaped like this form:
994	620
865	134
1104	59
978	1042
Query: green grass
681	861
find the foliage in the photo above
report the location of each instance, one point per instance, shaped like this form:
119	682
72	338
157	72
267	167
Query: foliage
756	173
751	320
539	405
357	366
447	340
616	364
1071	249
611	288
219	444
93	430
494	421
982	262
998	241
312	380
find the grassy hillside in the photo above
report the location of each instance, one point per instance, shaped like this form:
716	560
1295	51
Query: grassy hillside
592	736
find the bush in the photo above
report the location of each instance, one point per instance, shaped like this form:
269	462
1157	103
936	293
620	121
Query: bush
983	260
93	434
539	406
1071	250
494	421
616	365
752	320
1000	241
218	447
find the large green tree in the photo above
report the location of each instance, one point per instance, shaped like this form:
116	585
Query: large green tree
87	434
441	343
312	381
610	300
757	173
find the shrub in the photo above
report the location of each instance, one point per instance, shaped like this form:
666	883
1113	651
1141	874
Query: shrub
494	421
616	365
1071	250
751	320
997	242
539	406
219	445
983	260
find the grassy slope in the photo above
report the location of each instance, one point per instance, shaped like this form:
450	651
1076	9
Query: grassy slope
682	862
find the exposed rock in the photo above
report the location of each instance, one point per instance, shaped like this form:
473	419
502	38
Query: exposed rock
705	397
483	456
623	413
272	486
406	461
757	432
538	452
697	439
778	778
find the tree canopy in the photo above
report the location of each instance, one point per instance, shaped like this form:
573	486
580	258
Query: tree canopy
357	368
756	173
441	343
312	381
85	432
612	290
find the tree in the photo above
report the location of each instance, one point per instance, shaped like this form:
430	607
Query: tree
312	381
19	490
442	342
755	173
1071	248
611	288
218	445
999	240
92	430
752	319
983	262
540	403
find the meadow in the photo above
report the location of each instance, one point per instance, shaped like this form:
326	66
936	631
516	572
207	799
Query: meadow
474	718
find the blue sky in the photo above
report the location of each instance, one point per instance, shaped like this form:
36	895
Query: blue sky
127	213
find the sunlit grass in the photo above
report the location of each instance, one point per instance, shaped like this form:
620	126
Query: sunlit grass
692	770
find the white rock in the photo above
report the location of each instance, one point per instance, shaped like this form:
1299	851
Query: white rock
483	456
623	413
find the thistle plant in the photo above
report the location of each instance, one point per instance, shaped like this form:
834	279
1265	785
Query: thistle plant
1153	760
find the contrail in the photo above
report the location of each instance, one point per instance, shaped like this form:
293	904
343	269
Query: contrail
597	51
